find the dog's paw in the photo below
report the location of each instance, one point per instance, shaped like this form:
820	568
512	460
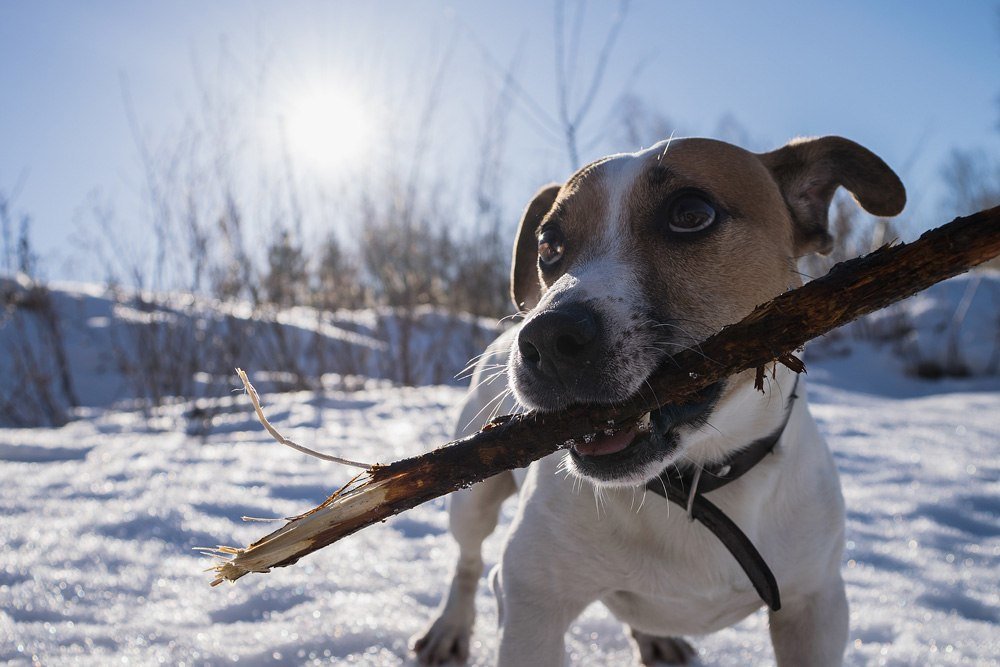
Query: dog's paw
445	641
670	650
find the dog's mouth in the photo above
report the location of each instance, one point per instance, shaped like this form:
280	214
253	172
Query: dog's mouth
621	454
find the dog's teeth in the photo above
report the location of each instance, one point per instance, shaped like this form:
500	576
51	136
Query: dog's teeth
643	423
609	431
589	438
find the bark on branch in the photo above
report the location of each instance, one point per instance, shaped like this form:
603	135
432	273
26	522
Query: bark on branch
772	332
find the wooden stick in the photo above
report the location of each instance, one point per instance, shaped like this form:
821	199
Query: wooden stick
772	332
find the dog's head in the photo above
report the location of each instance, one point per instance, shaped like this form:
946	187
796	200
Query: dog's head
641	255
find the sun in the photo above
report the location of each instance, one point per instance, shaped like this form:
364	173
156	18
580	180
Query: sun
329	130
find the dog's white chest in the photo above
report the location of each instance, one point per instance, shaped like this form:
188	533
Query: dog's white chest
641	554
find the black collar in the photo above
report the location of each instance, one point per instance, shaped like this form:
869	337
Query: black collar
685	488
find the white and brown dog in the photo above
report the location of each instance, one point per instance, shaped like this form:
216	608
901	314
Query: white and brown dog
637	256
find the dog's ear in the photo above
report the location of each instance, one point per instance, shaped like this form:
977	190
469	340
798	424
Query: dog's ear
524	287
808	172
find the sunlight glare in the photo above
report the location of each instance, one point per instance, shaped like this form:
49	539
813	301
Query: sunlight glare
329	131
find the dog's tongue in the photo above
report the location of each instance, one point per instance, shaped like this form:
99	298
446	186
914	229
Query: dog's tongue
606	444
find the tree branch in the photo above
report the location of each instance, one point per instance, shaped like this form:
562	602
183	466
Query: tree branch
772	332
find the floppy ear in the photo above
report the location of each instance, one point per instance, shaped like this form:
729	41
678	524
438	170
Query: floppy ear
808	172
524	287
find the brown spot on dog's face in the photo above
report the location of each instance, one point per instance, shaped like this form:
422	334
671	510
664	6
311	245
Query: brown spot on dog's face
704	280
579	216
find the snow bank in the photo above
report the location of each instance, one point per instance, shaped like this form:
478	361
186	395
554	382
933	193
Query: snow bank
951	329
81	346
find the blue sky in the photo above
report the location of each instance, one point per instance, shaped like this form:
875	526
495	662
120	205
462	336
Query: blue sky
911	80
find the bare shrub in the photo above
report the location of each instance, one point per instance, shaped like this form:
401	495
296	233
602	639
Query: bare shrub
972	179
286	276
336	278
154	347
39	388
639	125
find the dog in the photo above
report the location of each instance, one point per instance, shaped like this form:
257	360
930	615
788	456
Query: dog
638	256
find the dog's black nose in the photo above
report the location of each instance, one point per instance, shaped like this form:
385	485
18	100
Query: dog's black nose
560	342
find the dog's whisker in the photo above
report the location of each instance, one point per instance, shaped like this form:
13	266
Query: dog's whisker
498	400
712	426
520	313
489	379
665	147
469	373
599	499
665	494
632	506
485	366
792	265
696	349
471	363
495	412
676	322
651	391
483	355
465	373
498	374
562	466
643	501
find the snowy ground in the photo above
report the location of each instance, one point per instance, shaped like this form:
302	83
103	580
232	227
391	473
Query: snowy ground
98	520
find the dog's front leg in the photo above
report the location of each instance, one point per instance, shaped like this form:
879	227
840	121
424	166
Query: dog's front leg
533	622
812	629
473	515
537	600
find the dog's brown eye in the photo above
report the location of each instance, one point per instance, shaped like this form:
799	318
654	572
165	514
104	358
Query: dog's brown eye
551	246
691	213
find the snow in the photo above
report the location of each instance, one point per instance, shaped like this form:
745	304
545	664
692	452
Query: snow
99	519
121	346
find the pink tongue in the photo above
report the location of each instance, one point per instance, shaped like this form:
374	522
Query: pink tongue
606	444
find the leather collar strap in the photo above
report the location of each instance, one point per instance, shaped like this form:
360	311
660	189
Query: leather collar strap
677	486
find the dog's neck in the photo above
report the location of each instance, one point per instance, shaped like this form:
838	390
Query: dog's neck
740	418
686	486
693	480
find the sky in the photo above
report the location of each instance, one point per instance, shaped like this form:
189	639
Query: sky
85	86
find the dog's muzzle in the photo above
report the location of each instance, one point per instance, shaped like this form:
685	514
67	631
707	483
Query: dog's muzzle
561	357
613	456
561	345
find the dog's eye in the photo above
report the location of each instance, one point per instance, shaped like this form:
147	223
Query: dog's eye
551	246
691	213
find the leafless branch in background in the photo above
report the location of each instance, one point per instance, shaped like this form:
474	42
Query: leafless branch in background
11	251
572	114
639	125
972	179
